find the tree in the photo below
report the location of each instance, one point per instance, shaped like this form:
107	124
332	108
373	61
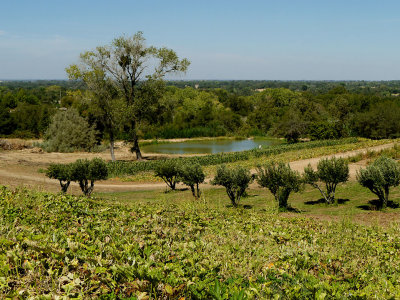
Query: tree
62	173
125	64
329	171
281	180
192	175
68	132
378	177
169	171
235	180
84	171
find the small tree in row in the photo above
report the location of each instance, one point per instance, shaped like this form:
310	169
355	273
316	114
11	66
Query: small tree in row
281	180
378	177
83	171
172	172
331	172
235	180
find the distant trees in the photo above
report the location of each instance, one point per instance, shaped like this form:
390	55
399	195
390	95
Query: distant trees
235	180
69	132
331	172
379	177
62	173
125	65
281	180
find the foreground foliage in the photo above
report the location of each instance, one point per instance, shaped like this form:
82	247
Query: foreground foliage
62	245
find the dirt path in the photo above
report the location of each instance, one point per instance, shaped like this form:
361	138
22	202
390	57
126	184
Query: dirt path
21	168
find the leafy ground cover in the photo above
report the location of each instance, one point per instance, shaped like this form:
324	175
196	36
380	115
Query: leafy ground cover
163	245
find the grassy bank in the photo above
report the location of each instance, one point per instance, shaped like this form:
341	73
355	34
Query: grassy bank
165	245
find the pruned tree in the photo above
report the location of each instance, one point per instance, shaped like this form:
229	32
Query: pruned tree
192	175
378	177
331	172
125	64
235	180
62	173
169	171
281	180
88	171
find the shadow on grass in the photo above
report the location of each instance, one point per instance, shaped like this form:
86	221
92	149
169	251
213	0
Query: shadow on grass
176	190
322	201
290	209
375	205
244	206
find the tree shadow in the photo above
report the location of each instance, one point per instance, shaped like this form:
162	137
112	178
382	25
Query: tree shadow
322	201
244	206
376	205
290	209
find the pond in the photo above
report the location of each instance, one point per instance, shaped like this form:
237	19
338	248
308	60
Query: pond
209	146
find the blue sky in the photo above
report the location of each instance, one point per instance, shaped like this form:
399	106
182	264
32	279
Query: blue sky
271	40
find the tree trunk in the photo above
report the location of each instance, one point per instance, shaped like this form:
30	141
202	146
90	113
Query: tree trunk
198	190
386	198
112	147
193	192
136	148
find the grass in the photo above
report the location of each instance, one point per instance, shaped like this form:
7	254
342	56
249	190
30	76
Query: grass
152	245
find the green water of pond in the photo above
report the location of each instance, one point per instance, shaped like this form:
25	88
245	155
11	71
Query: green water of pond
209	146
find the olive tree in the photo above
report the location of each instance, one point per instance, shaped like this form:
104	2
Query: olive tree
169	171
133	69
62	173
85	171
280	179
235	180
331	172
378	177
192	175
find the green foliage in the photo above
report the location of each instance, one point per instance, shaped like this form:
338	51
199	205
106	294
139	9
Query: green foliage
74	247
84	172
63	173
378	177
69	132
192	175
280	179
169	171
235	180
329	171
119	168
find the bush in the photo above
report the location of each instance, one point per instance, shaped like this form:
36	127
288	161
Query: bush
81	171
329	171
235	180
62	173
281	180
378	177
169	171
69	132
84	170
192	175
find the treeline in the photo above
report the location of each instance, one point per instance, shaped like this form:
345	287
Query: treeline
342	111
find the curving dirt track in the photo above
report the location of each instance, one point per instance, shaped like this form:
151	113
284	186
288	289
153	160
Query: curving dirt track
20	168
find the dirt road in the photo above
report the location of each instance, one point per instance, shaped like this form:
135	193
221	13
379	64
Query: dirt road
21	168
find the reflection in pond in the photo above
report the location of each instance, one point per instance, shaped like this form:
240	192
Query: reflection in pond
209	146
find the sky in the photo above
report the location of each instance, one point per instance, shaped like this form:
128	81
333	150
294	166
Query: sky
223	39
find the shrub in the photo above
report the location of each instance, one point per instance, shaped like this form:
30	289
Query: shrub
281	180
69	132
62	173
169	171
378	177
329	171
235	180
192	175
84	170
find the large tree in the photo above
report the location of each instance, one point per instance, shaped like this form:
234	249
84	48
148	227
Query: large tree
132	69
